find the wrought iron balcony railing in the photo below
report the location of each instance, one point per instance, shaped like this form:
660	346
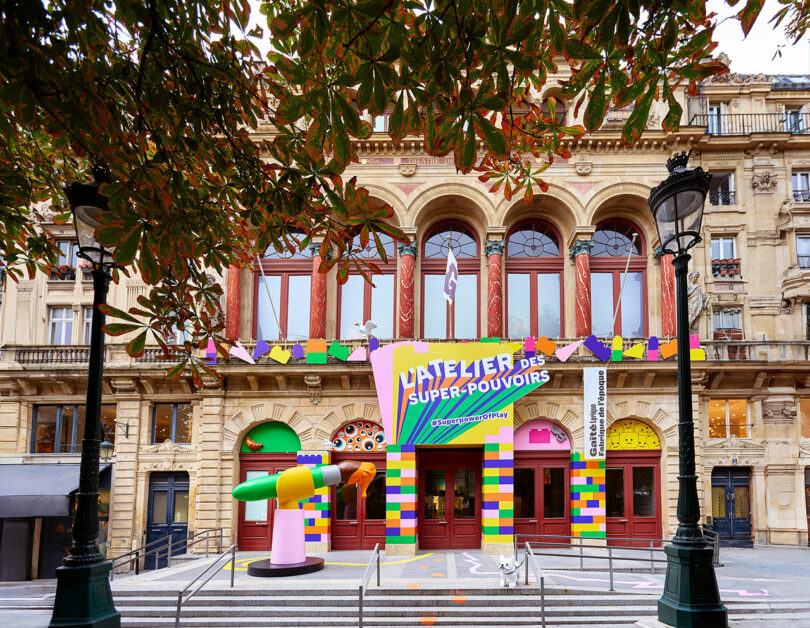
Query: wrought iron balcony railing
801	196
746	123
722	197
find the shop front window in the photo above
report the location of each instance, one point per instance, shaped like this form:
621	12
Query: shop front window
728	417
59	429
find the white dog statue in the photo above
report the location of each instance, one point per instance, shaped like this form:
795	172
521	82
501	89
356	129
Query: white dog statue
510	571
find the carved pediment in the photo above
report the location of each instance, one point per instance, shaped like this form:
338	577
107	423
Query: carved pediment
733	442
168	447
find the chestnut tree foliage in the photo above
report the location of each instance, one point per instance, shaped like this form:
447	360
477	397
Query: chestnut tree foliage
169	95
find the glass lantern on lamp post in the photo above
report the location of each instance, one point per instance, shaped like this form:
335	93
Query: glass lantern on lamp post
691	596
83	596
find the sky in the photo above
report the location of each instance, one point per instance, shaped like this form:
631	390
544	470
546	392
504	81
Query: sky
754	54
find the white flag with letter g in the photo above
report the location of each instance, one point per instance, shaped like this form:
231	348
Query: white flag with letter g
450	276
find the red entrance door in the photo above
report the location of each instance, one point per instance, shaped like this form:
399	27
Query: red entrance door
450	499
256	518
633	489
542	495
359	523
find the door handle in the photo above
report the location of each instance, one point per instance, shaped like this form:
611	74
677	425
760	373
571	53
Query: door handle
444	523
622	520
353	523
532	520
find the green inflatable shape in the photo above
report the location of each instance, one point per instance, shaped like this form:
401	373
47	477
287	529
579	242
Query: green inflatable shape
275	438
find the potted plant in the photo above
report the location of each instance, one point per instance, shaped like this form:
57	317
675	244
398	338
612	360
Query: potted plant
64	271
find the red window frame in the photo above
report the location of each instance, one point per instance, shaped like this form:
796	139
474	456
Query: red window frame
284	268
387	268
616	266
438	266
534	266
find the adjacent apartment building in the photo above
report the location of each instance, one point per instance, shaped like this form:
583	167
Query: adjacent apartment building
554	267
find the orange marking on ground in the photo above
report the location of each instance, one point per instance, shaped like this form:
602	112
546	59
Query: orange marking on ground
427	621
437	574
440	558
424	566
459	599
413	586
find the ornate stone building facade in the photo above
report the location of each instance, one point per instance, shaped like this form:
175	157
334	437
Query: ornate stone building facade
555	267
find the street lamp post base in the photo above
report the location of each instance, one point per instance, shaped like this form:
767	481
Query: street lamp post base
83	598
691	598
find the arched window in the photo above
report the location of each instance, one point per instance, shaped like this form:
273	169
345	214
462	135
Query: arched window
282	289
613	243
439	318
359	301
534	281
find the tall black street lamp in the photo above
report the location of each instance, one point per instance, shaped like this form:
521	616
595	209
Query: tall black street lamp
83	596
691	597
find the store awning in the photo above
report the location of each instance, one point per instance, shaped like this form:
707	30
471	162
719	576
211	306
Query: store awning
37	490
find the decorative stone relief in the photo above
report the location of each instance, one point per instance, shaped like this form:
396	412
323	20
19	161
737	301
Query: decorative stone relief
778	412
763	183
407	170
804	448
313	383
168	447
733	450
494	247
583	167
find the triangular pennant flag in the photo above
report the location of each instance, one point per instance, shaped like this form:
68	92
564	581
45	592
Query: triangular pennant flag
337	350
669	349
240	352
597	348
358	355
636	351
282	356
261	348
373	344
211	352
545	345
563	353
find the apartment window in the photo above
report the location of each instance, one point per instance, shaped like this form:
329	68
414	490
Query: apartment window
721	189
803	251
360	301
87	323
68	260
728	417
171	421
727	324
380	123
61	325
59	429
801	187
439	318
725	262
282	294
534	268
716	112
795	120
613	243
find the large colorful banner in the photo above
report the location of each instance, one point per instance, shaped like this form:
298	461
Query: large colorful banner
595	380
451	393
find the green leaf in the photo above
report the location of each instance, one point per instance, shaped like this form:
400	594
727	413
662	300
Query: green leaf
136	346
148	264
119	329
597	105
634	126
126	251
396	125
495	139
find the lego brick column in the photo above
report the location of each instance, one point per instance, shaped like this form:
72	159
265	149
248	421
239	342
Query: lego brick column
400	507
407	255
667	296
581	252
317	299
587	497
233	304
317	516
494	252
498	497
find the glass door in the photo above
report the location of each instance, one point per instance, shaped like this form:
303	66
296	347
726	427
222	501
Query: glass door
731	505
632	489
167	515
541	497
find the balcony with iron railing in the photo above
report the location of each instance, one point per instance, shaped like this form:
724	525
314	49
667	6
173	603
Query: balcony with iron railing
722	197
747	123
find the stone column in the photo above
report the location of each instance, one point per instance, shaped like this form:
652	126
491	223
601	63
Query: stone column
317	299
581	252
494	252
233	305
668	327
407	256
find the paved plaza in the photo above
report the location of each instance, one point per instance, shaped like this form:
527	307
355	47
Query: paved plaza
763	573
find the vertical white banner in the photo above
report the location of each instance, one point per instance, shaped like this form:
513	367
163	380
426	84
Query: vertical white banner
450	277
595	380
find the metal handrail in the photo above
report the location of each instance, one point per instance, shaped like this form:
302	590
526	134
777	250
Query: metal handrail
541	580
232	551
364	581
167	541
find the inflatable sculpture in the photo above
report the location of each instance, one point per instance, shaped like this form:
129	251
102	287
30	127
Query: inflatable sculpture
288	555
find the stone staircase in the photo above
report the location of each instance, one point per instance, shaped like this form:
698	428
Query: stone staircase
394	607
